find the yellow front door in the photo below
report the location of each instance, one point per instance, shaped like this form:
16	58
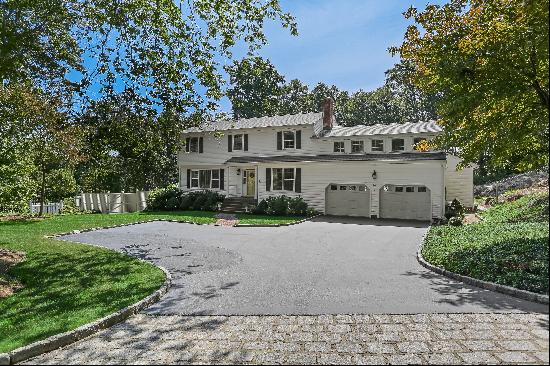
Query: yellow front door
250	183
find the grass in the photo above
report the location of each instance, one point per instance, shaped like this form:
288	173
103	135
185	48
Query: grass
67	285
509	247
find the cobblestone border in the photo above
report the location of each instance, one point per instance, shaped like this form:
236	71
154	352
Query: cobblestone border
512	291
86	330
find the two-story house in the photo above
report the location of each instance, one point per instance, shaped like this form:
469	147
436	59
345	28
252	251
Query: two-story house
370	171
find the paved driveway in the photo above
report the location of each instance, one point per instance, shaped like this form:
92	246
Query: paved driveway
327	266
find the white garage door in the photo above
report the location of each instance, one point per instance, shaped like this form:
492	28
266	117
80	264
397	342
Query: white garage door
347	200
405	202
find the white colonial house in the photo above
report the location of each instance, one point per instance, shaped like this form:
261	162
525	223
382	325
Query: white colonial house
370	171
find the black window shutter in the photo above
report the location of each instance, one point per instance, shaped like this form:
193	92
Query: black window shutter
279	140
188	178
229	143
268	179
201	144
245	142
222	180
298	139
298	181
187	144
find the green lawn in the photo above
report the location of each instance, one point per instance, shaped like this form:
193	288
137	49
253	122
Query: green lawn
69	284
509	247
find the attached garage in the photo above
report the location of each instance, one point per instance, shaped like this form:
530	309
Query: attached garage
347	200
408	202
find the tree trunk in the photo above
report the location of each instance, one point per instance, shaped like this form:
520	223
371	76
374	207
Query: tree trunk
42	190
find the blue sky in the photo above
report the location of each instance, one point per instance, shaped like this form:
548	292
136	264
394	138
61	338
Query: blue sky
340	42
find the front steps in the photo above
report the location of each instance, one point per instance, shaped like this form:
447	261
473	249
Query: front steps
238	204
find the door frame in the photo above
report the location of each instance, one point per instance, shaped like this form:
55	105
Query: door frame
246	172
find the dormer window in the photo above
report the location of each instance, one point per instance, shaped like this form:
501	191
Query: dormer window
398	145
339	147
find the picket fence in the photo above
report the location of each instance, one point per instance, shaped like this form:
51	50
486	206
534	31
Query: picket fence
49	208
112	202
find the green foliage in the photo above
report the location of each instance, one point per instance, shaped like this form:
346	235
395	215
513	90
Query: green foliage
258	89
17	186
60	184
281	206
172	199
509	247
455	209
488	63
70	207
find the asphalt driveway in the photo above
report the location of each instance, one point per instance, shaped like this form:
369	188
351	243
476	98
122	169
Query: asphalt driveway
326	266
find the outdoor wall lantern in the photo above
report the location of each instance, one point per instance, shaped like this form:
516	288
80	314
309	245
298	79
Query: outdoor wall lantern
374	174
238	172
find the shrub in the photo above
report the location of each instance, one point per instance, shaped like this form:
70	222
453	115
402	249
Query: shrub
172	198
455	221
69	207
297	206
261	208
454	209
281	206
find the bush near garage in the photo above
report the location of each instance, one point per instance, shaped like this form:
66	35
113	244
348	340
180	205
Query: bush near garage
281	206
173	199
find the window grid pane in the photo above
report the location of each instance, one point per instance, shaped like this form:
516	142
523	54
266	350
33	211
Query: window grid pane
398	144
339	146
288	139
237	142
377	145
357	146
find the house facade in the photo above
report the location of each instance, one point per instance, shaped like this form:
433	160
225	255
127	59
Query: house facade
370	171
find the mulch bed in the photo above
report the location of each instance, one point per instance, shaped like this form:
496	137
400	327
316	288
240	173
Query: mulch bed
9	259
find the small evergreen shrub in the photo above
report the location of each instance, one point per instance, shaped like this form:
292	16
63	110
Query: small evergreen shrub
282	206
172	199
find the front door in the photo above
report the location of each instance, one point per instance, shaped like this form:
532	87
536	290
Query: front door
250	175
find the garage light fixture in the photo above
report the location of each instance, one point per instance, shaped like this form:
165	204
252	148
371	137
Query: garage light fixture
238	172
374	174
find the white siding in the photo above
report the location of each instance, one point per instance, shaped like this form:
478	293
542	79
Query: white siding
263	142
459	183
316	176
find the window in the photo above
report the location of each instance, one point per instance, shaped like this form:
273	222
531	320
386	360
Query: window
333	187
410	189
362	188
215	181
398	145
289	139
277	177
237	142
288	179
357	147
399	189
422	189
194	179
352	188
339	146
377	145
343	188
418	140
205	179
283	179
193	144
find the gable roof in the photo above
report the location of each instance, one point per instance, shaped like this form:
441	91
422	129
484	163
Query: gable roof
380	129
274	121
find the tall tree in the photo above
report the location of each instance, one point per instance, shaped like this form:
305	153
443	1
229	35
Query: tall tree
164	50
488	62
256	88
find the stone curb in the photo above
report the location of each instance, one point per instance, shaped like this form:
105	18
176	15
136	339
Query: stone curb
507	290
64	339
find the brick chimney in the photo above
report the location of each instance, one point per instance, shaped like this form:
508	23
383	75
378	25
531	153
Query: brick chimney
328	113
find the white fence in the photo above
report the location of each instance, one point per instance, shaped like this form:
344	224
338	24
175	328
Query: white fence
112	202
49	208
